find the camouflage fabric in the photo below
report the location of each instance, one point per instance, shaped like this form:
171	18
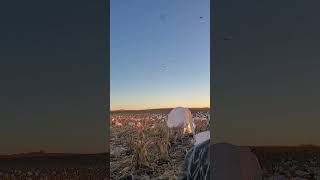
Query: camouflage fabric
196	164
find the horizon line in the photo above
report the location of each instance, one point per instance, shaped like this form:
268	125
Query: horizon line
157	108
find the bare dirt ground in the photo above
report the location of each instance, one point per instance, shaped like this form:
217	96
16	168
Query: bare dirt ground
125	144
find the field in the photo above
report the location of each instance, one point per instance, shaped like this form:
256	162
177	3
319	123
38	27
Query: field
290	162
54	167
142	147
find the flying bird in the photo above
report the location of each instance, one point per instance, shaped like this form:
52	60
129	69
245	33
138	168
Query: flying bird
202	19
163	67
163	17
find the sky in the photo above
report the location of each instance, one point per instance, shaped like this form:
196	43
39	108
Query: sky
267	76
52	76
159	54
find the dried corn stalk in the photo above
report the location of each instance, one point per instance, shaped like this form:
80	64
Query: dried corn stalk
163	142
141	160
176	133
163	150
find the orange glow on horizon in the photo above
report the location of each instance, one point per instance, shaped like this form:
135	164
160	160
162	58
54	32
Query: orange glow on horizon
144	107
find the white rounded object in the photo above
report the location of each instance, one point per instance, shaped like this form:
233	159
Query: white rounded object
181	117
201	137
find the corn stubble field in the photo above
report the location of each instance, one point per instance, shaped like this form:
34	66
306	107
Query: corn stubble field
143	147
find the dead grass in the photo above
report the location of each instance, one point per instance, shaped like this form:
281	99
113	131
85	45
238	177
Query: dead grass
149	151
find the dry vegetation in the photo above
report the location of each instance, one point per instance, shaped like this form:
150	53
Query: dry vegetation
143	147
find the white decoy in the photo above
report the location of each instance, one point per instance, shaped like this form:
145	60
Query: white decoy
181	117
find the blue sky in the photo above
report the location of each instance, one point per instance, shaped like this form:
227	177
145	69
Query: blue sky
160	53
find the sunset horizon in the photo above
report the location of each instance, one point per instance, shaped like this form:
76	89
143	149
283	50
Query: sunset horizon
151	108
